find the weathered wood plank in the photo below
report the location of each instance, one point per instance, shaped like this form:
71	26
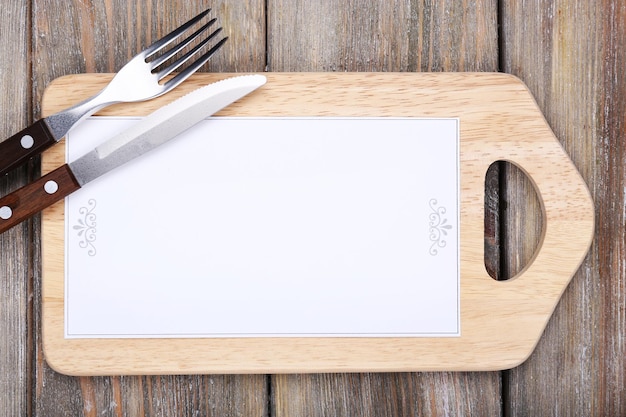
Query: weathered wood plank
87	36
570	55
16	260
397	35
381	395
416	35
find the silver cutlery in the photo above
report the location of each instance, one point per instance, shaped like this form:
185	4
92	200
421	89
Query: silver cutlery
147	134
145	76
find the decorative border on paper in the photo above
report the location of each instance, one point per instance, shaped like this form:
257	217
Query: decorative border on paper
438	227
86	227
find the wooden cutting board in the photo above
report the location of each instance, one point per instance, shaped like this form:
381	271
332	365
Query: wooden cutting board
501	322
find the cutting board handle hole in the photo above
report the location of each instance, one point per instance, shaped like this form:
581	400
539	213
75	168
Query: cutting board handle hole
513	221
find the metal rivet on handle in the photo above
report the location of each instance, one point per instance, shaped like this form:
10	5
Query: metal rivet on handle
51	187
27	141
5	212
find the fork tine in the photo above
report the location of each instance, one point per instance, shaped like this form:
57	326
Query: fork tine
187	72
170	53
167	39
174	66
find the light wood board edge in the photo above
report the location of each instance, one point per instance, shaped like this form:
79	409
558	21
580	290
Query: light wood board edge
501	321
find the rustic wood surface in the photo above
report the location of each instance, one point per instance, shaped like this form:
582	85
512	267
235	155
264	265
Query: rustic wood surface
570	54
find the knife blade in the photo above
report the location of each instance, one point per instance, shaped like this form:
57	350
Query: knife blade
159	127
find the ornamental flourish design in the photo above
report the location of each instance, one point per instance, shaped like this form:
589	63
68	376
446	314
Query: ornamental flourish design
86	227
439	227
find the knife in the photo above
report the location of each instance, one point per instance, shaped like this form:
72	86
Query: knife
152	131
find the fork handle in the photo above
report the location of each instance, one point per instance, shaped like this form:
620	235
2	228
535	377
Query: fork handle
22	146
29	200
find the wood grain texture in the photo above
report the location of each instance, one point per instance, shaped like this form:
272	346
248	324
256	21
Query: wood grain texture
13	154
387	395
16	257
410	35
499	120
571	56
397	35
29	200
87	36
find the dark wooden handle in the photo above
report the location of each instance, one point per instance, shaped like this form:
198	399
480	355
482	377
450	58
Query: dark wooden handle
34	197
19	148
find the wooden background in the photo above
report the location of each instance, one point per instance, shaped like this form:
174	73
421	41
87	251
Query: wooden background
570	54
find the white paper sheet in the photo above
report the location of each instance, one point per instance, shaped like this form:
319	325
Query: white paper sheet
245	227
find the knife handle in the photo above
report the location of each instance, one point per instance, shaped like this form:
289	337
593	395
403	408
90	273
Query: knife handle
36	196
22	146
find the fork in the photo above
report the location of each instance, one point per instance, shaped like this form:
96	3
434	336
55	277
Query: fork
147	75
